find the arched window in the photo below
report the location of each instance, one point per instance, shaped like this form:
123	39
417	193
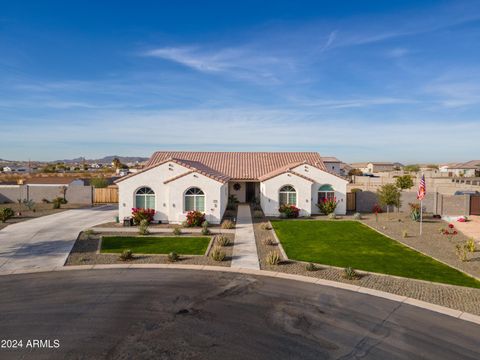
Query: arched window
194	200
145	198
288	195
326	192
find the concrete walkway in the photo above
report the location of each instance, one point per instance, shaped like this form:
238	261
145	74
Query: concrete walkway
245	249
46	241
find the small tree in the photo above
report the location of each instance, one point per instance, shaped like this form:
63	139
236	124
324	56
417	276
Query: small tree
389	195
99	182
404	182
356	172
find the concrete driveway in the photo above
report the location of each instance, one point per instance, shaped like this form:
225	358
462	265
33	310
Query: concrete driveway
45	242
184	314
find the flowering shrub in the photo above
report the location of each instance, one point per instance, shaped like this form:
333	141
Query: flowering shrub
290	211
139	214
328	206
195	218
376	209
449	232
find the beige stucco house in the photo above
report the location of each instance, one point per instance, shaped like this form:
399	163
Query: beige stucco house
174	183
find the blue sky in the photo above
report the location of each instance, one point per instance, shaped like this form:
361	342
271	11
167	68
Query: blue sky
360	80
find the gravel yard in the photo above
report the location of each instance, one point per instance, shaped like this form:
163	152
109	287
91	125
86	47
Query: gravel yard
85	252
455	297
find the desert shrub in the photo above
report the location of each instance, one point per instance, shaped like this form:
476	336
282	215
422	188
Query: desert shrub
327	206
265	226
272	258
269	241
195	218
471	245
289	211
143	228
126	255
350	273
461	251
29	204
222	240
173	256
404	234
58	202
232	202
45	201
5	214
139	214
228	224
332	216
357	216
258	214
310	267
217	254
184	224
177	230
206	231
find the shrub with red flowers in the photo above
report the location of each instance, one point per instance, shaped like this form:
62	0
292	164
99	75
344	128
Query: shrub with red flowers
195	218
290	211
139	214
328	206
449	232
376	209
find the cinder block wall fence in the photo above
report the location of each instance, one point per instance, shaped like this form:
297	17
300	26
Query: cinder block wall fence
75	194
435	203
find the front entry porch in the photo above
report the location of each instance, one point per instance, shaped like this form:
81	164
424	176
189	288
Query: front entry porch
244	191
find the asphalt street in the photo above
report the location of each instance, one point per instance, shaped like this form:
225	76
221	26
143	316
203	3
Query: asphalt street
185	314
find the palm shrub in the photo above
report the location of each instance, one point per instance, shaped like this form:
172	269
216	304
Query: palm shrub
461	251
30	204
5	214
269	241
471	245
258	214
328	206
265	226
310	267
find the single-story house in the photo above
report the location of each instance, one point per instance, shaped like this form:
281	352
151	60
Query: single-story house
466	169
174	183
374	167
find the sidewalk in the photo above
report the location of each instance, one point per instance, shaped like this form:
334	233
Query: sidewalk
245	249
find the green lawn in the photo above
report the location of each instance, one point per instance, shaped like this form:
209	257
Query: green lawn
351	243
185	245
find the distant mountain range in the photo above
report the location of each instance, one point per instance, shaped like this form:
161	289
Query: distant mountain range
105	160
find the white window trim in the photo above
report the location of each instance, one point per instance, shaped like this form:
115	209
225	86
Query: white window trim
288	195
185	211
145	197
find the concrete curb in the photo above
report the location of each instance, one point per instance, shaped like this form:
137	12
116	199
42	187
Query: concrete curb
154	230
349	287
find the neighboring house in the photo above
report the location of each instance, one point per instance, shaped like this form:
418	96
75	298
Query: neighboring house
335	165
7	169
466	169
374	167
174	183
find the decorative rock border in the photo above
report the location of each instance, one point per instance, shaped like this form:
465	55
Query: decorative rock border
401	299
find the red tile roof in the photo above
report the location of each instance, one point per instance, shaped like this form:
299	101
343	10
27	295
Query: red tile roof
237	165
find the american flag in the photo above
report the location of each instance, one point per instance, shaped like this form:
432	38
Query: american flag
422	189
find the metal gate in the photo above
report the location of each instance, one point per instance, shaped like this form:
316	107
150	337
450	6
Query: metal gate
474	204
351	202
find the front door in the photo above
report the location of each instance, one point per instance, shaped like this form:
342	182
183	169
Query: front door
249	192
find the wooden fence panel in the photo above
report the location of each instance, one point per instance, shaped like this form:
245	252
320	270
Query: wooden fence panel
105	195
351	202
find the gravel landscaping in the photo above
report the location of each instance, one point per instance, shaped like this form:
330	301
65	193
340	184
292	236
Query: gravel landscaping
85	252
432	242
455	297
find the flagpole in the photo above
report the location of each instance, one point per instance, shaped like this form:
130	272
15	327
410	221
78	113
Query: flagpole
421	216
